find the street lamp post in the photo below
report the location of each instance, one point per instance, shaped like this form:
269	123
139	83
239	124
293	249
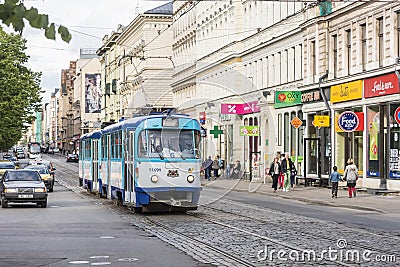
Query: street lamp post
320	80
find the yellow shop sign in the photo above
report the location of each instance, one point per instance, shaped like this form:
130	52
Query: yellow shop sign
346	91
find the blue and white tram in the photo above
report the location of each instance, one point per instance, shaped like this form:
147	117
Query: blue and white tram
89	161
152	162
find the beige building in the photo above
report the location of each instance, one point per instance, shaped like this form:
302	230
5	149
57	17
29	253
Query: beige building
137	66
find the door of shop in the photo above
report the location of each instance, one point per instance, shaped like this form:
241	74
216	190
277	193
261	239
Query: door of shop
312	157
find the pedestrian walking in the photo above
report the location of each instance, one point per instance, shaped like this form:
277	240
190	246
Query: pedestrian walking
286	167
237	169
334	178
293	173
275	172
207	167
351	176
215	167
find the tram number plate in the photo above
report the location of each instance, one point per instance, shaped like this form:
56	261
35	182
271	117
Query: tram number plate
25	196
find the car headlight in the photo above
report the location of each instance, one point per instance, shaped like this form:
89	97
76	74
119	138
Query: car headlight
10	190
40	190
190	178
154	178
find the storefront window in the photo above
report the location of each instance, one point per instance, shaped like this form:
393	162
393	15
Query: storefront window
349	144
394	156
292	136
373	133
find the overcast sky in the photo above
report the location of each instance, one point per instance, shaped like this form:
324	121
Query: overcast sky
88	22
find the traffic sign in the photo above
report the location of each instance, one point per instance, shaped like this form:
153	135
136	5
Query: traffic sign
397	115
296	122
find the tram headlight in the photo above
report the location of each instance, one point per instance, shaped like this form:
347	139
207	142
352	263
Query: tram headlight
154	178
190	178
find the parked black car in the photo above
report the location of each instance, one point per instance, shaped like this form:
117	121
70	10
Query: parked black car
72	158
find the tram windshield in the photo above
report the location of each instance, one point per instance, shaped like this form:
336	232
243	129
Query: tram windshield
161	143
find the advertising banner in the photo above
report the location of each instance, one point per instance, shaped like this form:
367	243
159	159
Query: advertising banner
346	91
381	85
240	109
287	98
92	93
249	131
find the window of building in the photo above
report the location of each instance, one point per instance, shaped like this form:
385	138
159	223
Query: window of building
286	136
348	46
279	133
363	46
398	33
313	59
335	55
380	41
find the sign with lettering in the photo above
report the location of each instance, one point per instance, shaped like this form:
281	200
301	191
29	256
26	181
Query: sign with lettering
360	126
346	91
321	121
249	131
240	109
348	121
310	96
287	98
381	85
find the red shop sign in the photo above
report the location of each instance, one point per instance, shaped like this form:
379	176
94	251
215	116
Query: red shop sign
381	85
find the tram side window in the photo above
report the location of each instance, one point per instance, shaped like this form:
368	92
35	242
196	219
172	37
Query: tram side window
142	144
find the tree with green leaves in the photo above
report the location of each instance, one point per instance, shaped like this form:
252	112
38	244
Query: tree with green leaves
14	13
19	90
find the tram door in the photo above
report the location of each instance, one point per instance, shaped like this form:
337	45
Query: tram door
312	157
109	180
129	167
95	165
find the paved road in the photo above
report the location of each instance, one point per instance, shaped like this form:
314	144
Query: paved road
76	230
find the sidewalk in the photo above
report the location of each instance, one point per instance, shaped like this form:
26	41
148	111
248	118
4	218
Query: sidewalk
313	195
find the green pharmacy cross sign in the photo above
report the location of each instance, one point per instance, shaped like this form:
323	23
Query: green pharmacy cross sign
216	132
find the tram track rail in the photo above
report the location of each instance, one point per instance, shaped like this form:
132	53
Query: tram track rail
298	231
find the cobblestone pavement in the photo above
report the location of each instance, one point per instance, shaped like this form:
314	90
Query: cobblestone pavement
230	233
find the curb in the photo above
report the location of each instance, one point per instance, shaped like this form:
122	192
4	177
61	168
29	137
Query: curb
311	201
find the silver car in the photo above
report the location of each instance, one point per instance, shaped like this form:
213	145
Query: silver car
22	186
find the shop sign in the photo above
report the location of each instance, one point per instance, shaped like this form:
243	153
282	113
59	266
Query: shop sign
381	85
346	91
350	121
321	121
240	109
249	131
287	98
310	96
224	117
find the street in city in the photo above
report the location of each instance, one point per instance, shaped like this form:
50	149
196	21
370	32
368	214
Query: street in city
237	224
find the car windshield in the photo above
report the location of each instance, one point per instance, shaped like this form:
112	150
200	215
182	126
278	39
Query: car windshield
6	165
22	176
41	169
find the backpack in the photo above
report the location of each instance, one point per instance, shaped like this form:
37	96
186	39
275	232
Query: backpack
351	175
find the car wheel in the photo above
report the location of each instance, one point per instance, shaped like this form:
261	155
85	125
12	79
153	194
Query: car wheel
4	203
43	204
